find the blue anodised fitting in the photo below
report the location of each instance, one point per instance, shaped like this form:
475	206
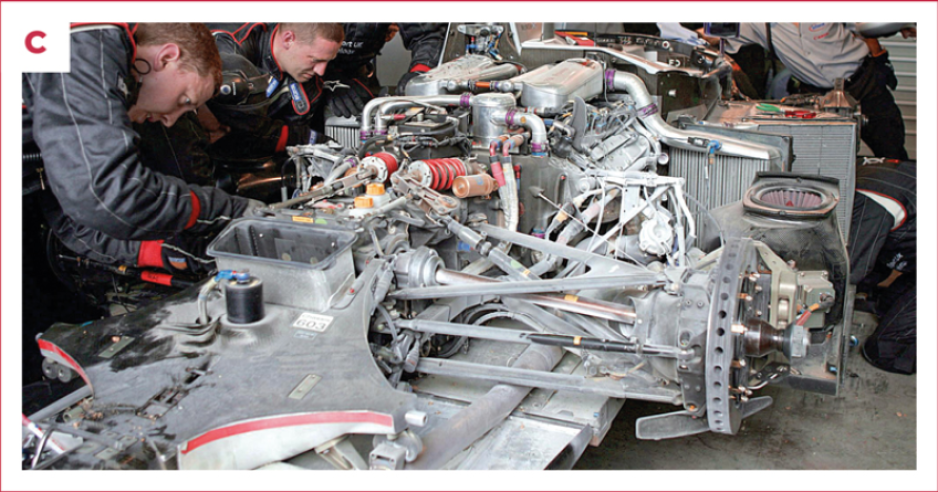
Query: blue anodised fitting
242	278
224	275
714	146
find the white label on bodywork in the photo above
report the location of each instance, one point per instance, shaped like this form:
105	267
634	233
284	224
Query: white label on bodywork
314	322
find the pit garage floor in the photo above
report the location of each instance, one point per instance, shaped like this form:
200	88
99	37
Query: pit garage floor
870	426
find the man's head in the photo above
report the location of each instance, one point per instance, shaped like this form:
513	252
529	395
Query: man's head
178	68
304	49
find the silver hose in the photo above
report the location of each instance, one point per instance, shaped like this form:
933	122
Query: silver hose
631	83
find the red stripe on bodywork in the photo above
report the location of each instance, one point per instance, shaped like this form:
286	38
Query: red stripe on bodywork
290	421
51	347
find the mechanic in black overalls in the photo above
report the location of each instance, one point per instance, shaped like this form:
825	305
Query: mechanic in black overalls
273	86
883	239
105	203
351	80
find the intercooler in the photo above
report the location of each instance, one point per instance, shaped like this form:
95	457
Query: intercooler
343	130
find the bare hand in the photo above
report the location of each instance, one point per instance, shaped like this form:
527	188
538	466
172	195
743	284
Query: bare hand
909	32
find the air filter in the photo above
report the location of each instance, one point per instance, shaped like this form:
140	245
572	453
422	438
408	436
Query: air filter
792	196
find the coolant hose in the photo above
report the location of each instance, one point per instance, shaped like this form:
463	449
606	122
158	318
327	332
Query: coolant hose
649	113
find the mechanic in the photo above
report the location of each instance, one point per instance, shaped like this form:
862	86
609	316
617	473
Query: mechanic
882	251
280	68
818	53
351	78
105	203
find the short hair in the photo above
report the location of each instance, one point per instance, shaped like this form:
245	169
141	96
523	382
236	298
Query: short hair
197	48
308	32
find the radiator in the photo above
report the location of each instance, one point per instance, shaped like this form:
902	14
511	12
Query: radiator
827	148
717	184
825	145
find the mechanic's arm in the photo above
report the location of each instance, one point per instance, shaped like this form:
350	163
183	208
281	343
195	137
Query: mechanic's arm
80	123
425	43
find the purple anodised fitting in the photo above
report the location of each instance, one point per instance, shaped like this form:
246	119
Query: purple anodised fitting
383	132
539	147
648	110
464	100
509	117
610	79
364	134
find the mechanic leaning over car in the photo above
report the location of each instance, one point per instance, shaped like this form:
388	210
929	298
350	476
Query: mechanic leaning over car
105	204
818	53
882	250
272	87
351	79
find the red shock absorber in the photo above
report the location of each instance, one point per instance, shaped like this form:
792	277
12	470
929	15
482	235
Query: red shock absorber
439	174
383	163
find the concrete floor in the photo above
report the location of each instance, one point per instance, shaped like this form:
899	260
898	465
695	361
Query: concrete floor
870	426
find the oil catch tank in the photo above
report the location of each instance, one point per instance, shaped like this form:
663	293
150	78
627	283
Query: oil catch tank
244	299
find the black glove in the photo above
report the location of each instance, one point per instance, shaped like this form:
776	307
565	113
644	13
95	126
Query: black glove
348	97
402	84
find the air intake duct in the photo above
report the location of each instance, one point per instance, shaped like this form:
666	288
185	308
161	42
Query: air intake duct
794	215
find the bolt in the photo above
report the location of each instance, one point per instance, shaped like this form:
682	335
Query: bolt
758	312
738	328
854	341
736	364
700	304
692	407
758	288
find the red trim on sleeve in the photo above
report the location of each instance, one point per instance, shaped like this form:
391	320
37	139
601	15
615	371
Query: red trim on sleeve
282	141
272	55
150	254
196	210
420	67
246	24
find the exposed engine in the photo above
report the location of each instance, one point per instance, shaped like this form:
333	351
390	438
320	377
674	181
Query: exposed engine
531	198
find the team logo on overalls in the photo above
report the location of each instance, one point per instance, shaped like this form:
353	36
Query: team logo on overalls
300	102
272	86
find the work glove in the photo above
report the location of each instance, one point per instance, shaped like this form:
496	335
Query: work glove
347	97
184	253
413	73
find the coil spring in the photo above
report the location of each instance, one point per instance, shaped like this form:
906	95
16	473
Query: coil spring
439	174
